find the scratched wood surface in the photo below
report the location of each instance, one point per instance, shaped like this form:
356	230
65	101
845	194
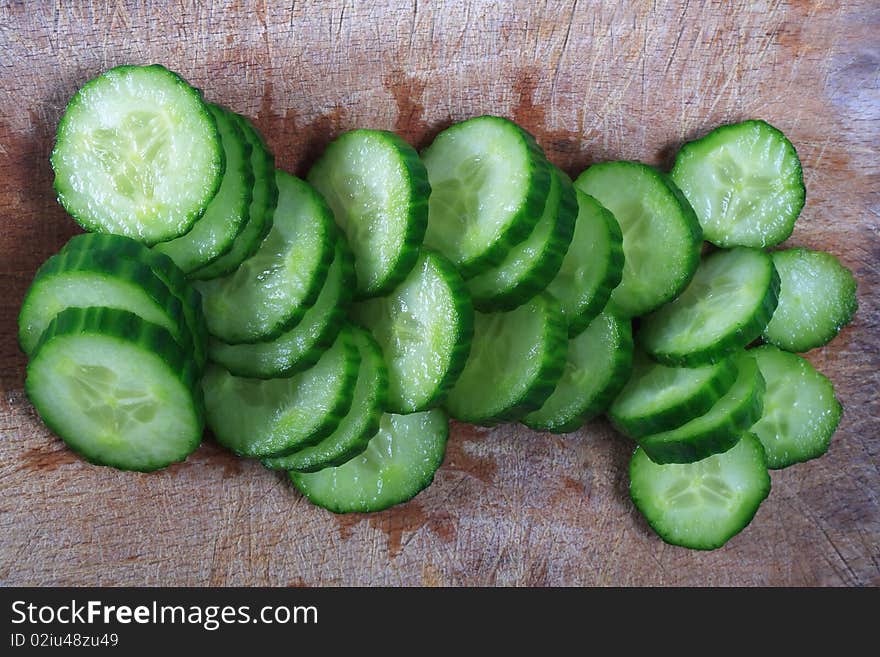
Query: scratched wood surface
593	81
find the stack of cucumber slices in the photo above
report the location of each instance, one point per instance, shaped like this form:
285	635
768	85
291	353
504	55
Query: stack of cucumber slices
330	327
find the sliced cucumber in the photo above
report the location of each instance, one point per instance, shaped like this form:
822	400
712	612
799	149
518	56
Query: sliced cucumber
801	412
117	389
717	430
598	364
300	347
260	212
658	398
817	297
271	291
516	360
661	234
701	505
261	418
533	263
592	267
745	183
137	154
726	306
378	190
399	462
489	184
424	328
360	424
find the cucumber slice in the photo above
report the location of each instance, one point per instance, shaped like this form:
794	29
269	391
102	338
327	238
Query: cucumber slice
598	364
117	389
720	428
271	291
489	184
745	183
164	269
661	234
81	278
264	197
592	267
701	505
137	154
658	398
516	360
378	190
533	263
360	424
261	418
399	462
817	297
300	347
424	328
726	306
801	412
227	213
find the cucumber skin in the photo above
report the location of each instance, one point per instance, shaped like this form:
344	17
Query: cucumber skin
61	134
127	327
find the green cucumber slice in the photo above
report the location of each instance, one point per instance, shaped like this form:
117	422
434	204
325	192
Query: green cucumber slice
117	389
801	412
516	360
701	505
399	462
597	366
745	183
137	154
424	328
726	306
378	190
489	184
661	234
817	297
361	423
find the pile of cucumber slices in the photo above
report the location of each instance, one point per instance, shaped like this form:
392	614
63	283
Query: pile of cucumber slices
330	327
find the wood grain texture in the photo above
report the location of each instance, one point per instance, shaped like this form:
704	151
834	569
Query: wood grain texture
593	81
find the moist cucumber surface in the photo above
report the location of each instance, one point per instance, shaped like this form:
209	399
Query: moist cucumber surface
138	154
744	182
399	462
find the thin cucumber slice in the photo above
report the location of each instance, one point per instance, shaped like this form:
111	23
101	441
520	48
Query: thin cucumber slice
262	208
164	269
300	347
516	360
701	505
137	154
83	278
726	306
717	430
227	213
261	418
817	297
378	190
533	263
117	389
801	412
424	328
272	290
745	183
661	234
399	462
592	267
489	184
658	398
360	424
598	364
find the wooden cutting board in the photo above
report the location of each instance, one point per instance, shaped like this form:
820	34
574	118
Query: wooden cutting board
593	81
